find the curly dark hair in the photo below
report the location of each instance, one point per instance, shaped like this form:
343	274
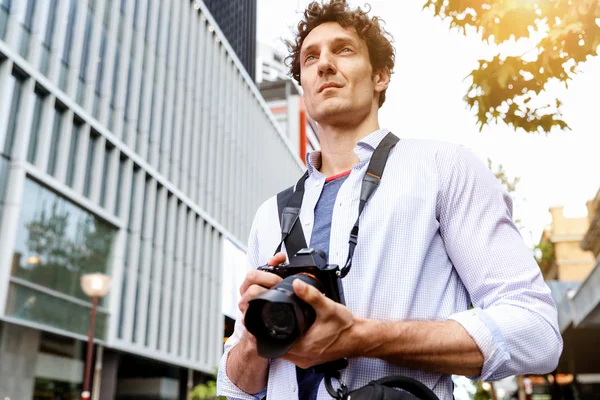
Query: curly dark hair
381	51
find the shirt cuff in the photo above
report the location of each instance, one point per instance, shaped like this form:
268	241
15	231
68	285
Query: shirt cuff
227	388
488	337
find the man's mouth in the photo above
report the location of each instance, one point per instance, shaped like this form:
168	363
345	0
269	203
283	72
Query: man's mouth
329	85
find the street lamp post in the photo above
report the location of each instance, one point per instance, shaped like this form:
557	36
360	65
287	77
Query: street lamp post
94	285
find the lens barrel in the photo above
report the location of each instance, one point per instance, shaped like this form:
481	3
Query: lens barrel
278	318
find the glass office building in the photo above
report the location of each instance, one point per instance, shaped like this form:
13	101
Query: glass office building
132	143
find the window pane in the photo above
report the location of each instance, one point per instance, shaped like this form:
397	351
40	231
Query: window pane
51	23
29	13
73	154
35	129
31	305
26	28
24	41
105	167
86	46
122	166
56	127
66	57
58	242
90	163
44	58
100	71
12	117
4	11
50	388
3	180
113	97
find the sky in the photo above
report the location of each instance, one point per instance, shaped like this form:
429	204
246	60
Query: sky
425	100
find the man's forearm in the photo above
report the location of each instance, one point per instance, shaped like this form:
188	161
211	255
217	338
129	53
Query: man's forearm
245	368
443	346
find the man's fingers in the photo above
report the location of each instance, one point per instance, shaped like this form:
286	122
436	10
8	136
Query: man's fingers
277	259
248	295
261	278
309	293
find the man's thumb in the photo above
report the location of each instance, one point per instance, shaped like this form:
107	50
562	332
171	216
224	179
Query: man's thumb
307	293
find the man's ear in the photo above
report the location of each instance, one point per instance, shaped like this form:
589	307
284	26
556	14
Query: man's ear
381	78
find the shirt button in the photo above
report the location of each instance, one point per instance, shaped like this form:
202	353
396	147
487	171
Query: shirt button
316	184
307	223
292	387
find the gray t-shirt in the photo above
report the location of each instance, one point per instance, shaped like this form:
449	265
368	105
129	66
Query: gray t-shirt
308	380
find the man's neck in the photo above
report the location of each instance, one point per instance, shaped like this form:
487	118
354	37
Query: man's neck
338	143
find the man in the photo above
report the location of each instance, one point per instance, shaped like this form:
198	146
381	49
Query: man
436	237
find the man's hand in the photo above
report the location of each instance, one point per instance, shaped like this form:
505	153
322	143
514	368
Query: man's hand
245	368
258	282
438	346
332	336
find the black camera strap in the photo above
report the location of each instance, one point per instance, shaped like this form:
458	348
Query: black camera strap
290	200
288	204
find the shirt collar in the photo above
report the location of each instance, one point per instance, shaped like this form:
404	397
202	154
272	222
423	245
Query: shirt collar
364	149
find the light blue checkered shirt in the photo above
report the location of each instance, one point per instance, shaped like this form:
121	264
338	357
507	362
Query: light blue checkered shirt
436	236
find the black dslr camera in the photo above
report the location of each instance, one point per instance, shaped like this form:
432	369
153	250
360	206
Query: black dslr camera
278	318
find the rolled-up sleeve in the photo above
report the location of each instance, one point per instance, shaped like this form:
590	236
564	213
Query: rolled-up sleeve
513	320
224	385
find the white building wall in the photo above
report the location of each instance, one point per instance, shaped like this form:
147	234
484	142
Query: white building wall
171	136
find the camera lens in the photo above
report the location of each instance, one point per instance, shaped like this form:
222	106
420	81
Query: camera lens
279	319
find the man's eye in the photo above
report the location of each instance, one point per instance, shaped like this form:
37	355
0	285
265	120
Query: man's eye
309	58
345	50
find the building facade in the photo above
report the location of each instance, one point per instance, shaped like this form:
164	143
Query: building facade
131	143
237	20
575	286
565	260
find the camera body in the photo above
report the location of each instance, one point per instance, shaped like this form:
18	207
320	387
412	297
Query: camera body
277	317
313	263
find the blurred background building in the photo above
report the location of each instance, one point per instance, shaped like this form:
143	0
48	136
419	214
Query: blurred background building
562	242
132	142
237	20
569	256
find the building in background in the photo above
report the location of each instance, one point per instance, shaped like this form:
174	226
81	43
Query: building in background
591	240
237	20
563	258
284	97
132	143
572	270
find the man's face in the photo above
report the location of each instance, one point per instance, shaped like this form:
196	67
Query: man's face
336	75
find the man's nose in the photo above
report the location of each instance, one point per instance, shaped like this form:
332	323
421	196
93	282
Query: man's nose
326	65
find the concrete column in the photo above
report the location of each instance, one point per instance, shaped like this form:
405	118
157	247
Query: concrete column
108	380
18	351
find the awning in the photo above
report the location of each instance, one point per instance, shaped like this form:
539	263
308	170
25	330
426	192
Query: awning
579	322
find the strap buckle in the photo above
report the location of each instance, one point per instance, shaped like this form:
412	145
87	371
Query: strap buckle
339	393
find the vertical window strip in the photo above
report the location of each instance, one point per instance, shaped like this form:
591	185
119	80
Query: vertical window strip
27	26
4	13
54	143
167	281
66	55
85	54
72	164
35	128
122	170
184	341
145	263
91	152
106	167
13	116
197	284
176	285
